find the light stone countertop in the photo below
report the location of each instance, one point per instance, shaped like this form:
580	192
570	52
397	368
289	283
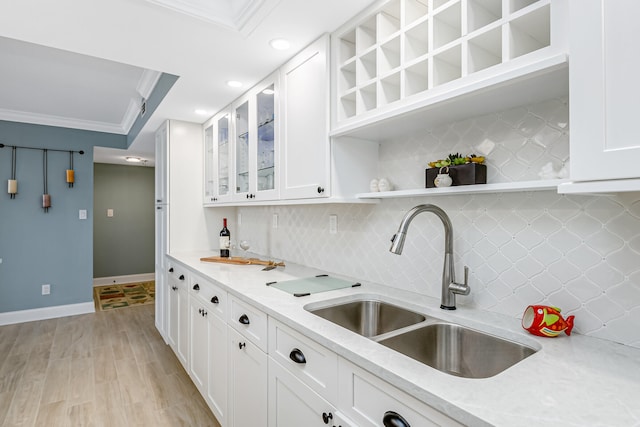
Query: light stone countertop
570	381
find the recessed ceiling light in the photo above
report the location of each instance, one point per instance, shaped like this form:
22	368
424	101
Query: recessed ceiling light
268	91
201	112
234	83
280	44
133	159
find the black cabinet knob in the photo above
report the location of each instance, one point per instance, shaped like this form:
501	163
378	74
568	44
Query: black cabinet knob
244	319
196	287
393	419
171	270
204	313
320	190
326	417
215	300
297	356
200	310
175	288
181	277
242	345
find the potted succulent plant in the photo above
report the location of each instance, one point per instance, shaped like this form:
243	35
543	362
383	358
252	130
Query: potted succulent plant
463	170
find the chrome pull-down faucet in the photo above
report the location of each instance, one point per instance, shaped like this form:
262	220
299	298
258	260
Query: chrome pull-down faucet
449	285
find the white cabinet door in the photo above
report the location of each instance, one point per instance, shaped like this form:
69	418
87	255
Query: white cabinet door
305	145
255	137
217	389
161	267
604	89
209	184
293	404
183	325
162	164
173	297
199	345
247	382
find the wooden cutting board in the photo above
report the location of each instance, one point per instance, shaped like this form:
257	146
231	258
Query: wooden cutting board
238	260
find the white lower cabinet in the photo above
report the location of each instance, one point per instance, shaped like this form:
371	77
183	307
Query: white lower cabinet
371	402
303	380
247	382
178	318
208	344
294	404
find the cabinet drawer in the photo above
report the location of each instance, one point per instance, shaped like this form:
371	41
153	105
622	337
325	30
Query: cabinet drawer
212	297
312	363
366	399
249	321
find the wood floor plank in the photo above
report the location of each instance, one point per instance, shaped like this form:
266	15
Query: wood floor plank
82	383
82	415
25	403
57	381
53	415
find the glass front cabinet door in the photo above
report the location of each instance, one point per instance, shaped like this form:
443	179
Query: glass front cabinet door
256	142
217	176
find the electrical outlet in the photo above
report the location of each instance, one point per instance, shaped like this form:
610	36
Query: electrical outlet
82	214
274	221
333	224
46	289
109	213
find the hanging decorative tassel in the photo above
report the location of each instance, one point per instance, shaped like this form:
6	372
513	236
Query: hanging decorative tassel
70	172
12	186
46	198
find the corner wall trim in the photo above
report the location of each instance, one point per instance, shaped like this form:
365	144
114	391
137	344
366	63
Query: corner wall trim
46	313
118	280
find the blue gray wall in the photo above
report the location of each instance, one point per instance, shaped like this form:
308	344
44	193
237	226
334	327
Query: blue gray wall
123	244
55	247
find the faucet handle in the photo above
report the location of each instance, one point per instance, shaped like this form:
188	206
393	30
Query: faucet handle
461	288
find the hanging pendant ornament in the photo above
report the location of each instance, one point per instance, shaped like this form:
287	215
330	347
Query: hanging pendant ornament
70	171
46	198
12	185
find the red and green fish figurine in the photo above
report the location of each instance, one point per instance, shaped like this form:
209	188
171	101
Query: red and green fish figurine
546	321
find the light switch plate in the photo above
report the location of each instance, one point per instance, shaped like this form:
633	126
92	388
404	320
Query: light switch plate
82	214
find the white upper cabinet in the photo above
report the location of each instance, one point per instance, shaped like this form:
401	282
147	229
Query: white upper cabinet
217	168
305	111
465	57
255	137
605	139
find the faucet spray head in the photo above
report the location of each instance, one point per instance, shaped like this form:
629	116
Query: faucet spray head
397	243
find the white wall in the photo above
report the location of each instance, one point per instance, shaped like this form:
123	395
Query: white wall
580	253
191	226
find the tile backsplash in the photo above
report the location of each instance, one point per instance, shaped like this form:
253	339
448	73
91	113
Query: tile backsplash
580	253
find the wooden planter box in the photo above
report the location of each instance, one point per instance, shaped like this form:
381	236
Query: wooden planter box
467	174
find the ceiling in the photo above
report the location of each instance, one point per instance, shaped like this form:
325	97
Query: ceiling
88	64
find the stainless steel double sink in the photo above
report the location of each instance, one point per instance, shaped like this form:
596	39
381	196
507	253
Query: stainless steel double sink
448	347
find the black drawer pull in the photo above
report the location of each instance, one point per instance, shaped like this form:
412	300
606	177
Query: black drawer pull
297	356
196	287
244	319
171	270
327	417
215	300
242	345
393	419
181	277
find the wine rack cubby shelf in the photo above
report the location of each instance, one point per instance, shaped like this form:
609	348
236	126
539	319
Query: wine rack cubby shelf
404	49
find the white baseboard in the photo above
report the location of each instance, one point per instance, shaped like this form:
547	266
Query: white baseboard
118	280
46	313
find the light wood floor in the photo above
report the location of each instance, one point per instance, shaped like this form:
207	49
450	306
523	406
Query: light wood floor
105	369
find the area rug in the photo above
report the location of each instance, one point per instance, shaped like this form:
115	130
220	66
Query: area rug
126	295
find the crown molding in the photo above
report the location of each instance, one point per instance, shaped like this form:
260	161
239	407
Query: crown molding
62	122
148	82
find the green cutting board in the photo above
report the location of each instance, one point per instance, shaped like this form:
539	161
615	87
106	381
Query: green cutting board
312	285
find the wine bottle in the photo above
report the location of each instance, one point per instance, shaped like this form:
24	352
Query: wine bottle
225	239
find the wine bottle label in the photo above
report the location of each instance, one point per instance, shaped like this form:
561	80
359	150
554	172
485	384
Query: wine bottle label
225	242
